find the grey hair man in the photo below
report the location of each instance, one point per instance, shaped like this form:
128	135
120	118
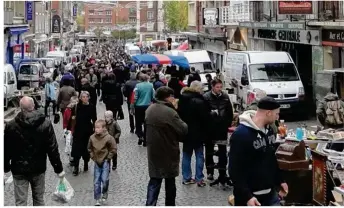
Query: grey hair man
128	89
28	139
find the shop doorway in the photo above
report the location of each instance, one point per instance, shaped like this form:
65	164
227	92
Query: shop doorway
302	57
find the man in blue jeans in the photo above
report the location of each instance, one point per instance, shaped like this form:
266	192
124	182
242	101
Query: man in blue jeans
193	111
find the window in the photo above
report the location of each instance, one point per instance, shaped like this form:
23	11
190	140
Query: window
28	69
273	72
150	4
108	20
91	12
108	12
150	26
132	11
132	20
150	15
100	12
192	14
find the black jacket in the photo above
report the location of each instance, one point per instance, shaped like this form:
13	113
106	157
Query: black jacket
129	88
193	77
28	140
253	163
194	111
112	92
219	123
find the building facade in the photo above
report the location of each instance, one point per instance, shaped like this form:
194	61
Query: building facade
17	20
147	19
99	14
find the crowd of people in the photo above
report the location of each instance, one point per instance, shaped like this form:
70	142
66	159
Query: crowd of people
162	111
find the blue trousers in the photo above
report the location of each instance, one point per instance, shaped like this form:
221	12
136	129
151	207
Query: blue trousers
101	179
188	149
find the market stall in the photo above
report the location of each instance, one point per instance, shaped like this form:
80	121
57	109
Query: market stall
161	59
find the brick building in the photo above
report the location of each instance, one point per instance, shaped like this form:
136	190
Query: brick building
99	14
147	23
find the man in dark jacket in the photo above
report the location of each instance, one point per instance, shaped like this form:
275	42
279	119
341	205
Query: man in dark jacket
193	76
85	86
127	92
221	117
164	132
193	111
29	138
254	169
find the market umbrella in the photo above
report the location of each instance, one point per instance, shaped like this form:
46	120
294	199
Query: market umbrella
161	59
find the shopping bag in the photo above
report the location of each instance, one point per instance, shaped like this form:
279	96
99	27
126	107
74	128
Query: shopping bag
68	139
64	192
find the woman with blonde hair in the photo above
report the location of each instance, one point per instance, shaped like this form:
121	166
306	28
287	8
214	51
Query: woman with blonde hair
86	116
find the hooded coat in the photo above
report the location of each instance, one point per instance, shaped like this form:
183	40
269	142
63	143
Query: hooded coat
164	132
29	138
253	163
194	111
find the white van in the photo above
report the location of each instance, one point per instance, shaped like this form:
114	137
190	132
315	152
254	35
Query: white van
198	59
10	83
273	72
60	56
134	50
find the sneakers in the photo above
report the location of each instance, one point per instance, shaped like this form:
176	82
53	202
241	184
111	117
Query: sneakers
98	203
201	183
140	141
104	197
114	168
190	181
210	177
144	144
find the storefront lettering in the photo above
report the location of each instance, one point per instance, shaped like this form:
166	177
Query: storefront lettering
284	35
337	36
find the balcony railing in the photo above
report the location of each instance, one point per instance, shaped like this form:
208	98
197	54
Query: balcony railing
235	13
330	10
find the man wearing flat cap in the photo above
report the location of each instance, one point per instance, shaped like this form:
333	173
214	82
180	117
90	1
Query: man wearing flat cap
254	170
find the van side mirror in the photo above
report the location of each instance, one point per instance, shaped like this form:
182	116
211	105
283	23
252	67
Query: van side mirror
244	80
10	82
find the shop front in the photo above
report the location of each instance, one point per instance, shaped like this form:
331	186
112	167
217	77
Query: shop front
216	47
13	38
333	43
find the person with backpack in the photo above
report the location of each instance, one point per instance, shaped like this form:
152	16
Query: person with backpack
330	113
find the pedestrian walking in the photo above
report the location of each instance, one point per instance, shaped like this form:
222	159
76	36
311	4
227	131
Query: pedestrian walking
50	96
102	148
221	116
164	132
86	116
194	111
115	131
254	169
65	95
28	139
128	89
144	95
112	94
86	86
92	78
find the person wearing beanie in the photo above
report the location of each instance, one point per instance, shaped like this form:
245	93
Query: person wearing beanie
253	164
254	106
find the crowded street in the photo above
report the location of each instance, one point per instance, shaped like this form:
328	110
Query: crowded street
173	103
128	186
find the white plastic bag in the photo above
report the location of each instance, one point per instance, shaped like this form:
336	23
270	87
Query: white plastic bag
68	146
64	192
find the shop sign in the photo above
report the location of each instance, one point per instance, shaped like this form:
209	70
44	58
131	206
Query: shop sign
17	48
29	10
75	10
210	17
333	38
309	37
56	24
295	7
274	25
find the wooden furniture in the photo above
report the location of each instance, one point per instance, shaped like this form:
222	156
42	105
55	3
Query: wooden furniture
291	155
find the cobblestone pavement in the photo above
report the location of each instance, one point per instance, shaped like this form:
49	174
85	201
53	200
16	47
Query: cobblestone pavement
128	185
